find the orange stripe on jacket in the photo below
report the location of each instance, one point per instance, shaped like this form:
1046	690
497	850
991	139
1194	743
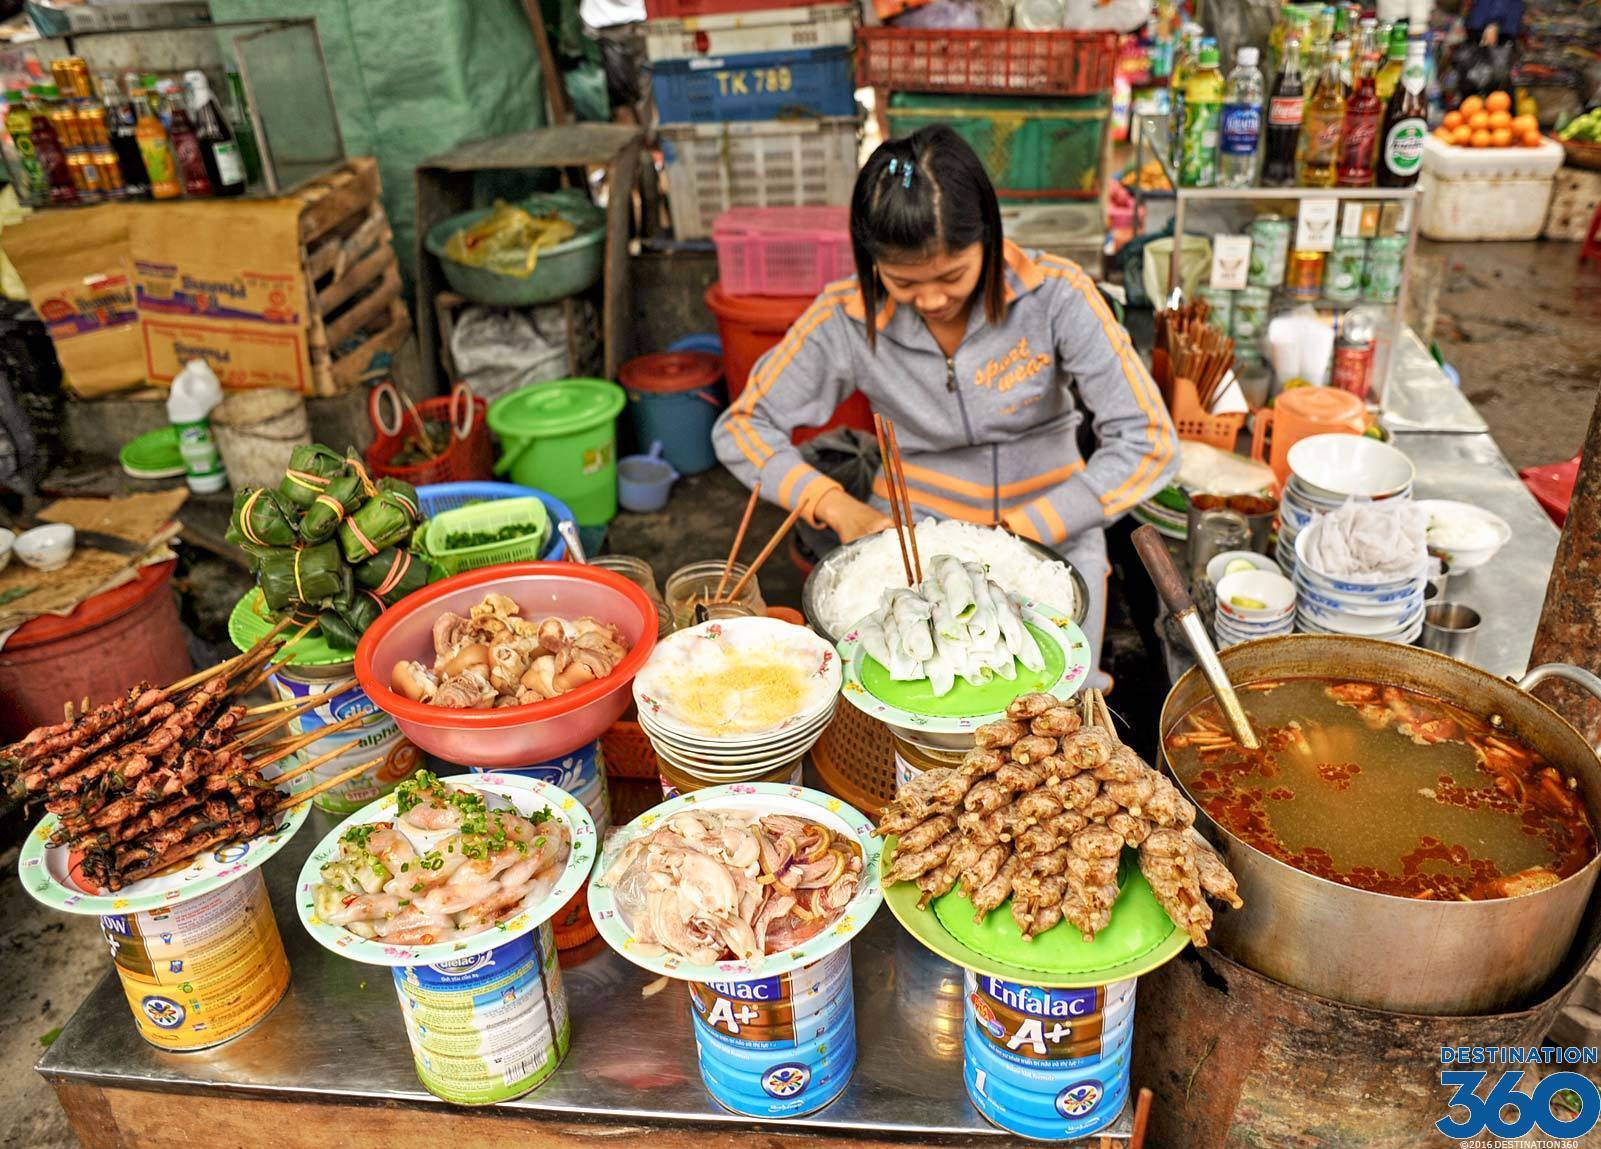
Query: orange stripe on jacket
963	511
1144	391
979	491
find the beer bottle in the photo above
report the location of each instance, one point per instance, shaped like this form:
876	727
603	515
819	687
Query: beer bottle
1318	157
1405	124
1362	115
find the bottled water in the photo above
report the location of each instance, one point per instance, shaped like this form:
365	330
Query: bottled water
1242	122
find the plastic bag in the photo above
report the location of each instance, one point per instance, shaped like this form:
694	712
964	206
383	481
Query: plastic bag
496	350
507	240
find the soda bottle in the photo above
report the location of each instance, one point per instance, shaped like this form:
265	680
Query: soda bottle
239	120
47	149
1183	65
1284	112
1354	352
1203	114
186	146
1318	156
1362	115
1315	49
161	166
1405	124
122	126
1390	74
1242	122
32	186
225	168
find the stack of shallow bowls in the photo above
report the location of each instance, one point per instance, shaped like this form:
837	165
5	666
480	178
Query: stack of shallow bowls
707	714
1327	471
1368	606
1253	604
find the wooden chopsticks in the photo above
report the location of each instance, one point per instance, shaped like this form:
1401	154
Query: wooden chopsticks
739	541
1196	350
900	499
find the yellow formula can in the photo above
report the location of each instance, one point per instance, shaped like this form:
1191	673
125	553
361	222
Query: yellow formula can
201	972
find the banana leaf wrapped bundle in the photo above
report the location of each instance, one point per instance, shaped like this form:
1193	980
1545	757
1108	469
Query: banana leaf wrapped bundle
311	469
381	521
262	518
342	626
328	510
301	575
393	573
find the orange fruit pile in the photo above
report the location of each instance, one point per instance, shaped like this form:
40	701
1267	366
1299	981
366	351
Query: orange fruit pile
1488	122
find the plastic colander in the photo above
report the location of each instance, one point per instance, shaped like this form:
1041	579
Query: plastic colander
512	735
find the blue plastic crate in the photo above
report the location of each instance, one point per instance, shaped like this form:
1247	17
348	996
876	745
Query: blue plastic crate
796	84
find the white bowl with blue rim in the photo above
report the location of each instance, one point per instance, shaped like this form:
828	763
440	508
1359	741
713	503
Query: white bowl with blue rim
1335	466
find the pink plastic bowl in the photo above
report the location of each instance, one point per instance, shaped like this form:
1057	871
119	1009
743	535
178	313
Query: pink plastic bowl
512	735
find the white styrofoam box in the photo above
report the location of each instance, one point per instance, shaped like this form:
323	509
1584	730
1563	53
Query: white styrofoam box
1473	209
755	163
1449	162
1578	194
765	30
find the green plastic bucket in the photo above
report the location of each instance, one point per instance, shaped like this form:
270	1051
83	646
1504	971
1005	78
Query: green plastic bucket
561	437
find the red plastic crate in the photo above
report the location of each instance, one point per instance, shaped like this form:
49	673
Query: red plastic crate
1007	62
663	9
782	250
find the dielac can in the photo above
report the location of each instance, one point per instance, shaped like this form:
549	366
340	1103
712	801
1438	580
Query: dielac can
1048	1064
778	1046
376	736
490	1027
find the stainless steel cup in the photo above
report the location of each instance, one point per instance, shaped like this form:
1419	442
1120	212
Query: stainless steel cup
1451	628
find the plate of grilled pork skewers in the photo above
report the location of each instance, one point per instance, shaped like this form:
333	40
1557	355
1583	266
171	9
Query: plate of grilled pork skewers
1053	855
165	793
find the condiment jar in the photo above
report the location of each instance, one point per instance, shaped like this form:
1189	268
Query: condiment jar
696	584
643	575
1213	533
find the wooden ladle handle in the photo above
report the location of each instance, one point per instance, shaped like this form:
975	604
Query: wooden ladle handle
1169	582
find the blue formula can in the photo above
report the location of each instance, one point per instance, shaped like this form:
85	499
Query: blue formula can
1049	1064
490	1027
582	774
777	1046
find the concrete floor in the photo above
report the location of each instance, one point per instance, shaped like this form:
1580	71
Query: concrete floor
1519	321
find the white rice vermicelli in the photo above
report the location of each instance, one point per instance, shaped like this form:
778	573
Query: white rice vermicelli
858	584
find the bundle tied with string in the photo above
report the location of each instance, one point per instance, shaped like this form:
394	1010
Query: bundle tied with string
383	520
262	518
312	468
392	574
301	575
328	510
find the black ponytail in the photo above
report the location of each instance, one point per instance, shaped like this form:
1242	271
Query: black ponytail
947	203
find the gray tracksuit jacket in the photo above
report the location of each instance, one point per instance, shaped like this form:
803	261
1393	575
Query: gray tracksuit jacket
988	435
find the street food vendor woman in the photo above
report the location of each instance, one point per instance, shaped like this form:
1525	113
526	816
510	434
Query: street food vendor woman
987	358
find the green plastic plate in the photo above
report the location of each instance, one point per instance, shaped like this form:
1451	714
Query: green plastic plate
965	699
250	620
153	455
1140	938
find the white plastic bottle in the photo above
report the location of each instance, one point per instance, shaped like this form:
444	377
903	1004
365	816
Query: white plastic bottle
194	393
1240	149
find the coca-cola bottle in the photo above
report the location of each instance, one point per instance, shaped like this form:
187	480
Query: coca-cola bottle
1284	112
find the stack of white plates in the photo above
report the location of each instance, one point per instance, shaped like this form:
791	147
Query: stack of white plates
1327	471
1368	606
1253	604
735	699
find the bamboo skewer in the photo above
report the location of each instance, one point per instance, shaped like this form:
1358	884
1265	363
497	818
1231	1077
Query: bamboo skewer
756	563
1142	1118
267	666
893	494
305	767
302	741
257	731
899	466
287	703
343	776
270	722
227	666
739	541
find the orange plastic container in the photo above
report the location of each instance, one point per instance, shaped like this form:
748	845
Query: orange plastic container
752	325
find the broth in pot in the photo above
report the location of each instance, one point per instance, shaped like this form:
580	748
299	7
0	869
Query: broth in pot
1385	789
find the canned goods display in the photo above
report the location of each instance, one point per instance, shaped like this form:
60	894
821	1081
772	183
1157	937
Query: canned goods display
1381	282
1270	250
1221	316
777	1046
201	972
376	735
1250	321
1051	1064
1303	276
1342	276
490	1027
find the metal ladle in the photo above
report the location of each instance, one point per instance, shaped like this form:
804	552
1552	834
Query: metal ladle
569	535
1176	596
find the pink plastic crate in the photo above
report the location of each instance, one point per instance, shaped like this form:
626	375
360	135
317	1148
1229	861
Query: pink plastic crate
782	250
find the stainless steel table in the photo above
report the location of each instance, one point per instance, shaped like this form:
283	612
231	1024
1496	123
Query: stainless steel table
336	1041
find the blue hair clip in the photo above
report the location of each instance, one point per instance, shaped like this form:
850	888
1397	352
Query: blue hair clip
892	165
906	182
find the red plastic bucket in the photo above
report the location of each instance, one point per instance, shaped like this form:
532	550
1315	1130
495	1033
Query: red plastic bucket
751	326
112	641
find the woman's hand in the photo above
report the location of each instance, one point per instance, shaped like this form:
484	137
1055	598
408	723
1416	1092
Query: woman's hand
849	518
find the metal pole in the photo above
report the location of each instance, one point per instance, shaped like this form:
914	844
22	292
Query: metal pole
1570	621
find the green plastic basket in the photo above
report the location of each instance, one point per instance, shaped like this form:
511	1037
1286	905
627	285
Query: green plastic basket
487	517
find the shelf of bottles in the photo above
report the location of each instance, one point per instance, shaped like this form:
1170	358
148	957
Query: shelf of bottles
85	124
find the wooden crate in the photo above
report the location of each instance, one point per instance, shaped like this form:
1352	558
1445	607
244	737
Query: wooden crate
356	311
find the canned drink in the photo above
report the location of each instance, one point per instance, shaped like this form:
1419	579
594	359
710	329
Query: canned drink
86	176
65	121
376	735
1303	276
1381	282
487	1028
1221	316
78	85
777	1046
1250	320
1051	1064
92	126
110	171
203	971
1270	250
1342	276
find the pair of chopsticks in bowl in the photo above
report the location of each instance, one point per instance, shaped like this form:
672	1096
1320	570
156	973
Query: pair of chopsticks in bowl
900	499
739	539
